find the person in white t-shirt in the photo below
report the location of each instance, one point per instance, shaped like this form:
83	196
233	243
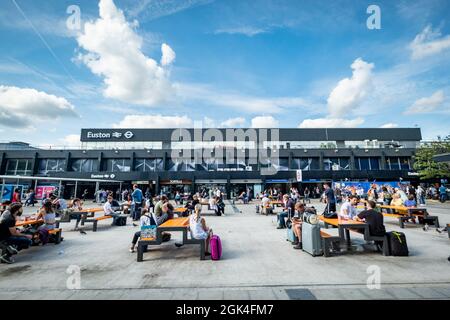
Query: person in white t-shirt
348	208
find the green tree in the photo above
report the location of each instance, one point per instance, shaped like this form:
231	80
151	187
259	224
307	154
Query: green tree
424	164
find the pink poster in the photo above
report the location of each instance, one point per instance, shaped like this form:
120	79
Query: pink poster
44	190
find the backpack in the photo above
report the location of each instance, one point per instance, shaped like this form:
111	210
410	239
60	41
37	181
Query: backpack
216	247
120	221
397	244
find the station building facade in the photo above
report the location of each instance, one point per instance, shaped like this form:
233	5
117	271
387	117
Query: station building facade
165	160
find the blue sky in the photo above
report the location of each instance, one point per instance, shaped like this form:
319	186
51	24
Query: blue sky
151	63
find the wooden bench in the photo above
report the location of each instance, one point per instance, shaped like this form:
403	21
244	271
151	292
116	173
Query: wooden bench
95	221
57	235
177	224
401	218
327	242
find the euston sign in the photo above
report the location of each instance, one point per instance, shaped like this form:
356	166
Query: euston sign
87	135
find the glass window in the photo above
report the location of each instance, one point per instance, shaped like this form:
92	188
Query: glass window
367	163
404	163
336	163
392	163
362	163
149	165
84	165
118	165
18	167
374	163
305	164
282	164
182	165
51	165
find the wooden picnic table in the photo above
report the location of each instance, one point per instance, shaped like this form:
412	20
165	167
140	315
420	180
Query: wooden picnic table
345	226
176	224
28	222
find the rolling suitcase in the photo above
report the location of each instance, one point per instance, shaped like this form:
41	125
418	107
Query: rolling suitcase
216	247
290	235
311	241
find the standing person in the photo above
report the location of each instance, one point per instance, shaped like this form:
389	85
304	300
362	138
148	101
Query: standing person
16	196
14	239
137	203
199	230
442	193
177	197
330	200
420	195
31	198
84	195
306	194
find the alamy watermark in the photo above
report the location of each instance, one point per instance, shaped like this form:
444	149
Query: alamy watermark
374	278
251	147
374	20
74	280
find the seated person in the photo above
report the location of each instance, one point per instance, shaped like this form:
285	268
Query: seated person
265	204
375	221
396	200
212	203
145	220
58	203
297	221
288	204
163	215
199	230
159	205
348	208
47	214
191	205
14	239
411	202
76	206
220	206
109	210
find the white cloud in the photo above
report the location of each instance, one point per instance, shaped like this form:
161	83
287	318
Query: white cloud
427	104
350	92
428	42
233	122
113	52
389	125
331	123
168	55
245	30
71	141
21	107
154	121
208	123
264	122
243	103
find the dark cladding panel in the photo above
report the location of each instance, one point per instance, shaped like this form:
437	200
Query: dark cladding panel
286	134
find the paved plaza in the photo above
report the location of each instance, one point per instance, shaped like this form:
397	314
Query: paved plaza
258	263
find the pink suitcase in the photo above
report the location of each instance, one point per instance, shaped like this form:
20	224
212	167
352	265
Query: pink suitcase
216	247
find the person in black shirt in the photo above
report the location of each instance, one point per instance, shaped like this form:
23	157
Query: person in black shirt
14	240
375	221
330	199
